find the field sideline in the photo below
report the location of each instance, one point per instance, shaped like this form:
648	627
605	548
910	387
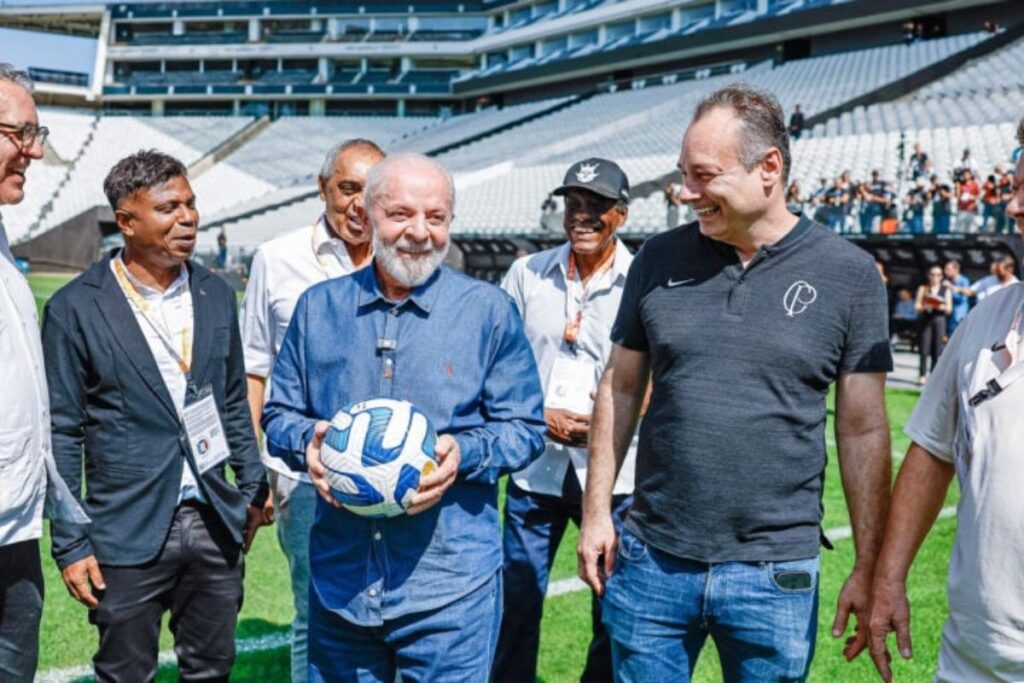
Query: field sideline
68	640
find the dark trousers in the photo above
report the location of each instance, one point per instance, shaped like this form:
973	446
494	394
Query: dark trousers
21	608
198	577
931	340
534	525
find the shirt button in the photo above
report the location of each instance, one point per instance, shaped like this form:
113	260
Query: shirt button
373	592
388	361
376	536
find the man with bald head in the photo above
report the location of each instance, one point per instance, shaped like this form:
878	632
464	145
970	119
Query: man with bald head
420	592
722	538
336	244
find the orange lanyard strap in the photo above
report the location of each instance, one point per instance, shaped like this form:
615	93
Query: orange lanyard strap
184	359
574	313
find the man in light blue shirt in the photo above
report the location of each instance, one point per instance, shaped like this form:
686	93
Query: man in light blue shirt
961	288
568	297
419	592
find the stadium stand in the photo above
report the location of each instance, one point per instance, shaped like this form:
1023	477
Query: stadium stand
187	138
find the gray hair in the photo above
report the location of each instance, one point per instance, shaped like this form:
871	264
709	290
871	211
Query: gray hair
12	74
335	152
142	170
761	118
378	176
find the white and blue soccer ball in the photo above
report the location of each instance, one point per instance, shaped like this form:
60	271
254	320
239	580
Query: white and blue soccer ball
375	452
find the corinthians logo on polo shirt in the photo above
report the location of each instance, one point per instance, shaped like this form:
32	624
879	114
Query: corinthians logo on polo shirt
798	297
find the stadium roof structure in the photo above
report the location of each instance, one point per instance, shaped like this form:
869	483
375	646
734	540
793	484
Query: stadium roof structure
419	57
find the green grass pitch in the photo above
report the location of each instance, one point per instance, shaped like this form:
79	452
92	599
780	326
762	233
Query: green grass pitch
69	641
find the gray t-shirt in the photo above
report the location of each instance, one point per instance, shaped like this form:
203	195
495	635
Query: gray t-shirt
732	450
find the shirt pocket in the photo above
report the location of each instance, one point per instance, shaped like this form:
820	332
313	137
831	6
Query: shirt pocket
18	467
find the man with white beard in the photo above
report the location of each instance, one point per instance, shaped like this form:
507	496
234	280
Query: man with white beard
420	592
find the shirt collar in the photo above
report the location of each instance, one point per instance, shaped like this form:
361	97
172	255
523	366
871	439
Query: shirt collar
323	239
620	261
151	292
423	296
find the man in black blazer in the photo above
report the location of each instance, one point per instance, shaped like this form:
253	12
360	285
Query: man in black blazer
147	384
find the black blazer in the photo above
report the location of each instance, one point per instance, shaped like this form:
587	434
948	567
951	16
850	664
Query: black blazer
109	404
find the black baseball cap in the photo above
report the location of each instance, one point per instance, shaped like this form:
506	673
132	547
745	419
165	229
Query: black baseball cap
600	176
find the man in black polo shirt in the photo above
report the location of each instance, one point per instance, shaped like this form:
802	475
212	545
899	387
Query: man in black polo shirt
743	320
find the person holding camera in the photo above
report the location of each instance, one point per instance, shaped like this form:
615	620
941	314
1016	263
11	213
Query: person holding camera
967	194
941	195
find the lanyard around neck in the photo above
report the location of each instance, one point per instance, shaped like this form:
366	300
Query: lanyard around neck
184	358
576	293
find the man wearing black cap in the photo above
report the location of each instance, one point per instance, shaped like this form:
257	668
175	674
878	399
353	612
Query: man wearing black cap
568	297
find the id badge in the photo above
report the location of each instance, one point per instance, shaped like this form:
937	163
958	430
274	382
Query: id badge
205	430
570	384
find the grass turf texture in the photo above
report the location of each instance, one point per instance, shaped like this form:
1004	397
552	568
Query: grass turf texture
68	640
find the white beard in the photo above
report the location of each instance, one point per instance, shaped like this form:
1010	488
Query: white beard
409	271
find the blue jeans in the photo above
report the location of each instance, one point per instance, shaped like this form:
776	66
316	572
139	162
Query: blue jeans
294	507
659	610
452	644
534	525
916	223
940	224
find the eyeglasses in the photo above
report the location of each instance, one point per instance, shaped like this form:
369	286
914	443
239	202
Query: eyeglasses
28	134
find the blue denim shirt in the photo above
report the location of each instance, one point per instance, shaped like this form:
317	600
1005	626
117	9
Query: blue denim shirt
460	356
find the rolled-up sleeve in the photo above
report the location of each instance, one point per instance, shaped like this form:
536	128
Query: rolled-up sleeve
257	321
512	405
933	423
287	416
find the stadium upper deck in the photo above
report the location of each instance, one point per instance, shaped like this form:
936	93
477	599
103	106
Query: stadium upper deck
421	58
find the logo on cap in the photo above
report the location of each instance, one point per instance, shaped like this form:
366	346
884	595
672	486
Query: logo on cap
586	173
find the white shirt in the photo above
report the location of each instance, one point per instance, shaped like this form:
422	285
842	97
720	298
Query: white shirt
538	285
982	639
24	407
167	323
282	269
989	285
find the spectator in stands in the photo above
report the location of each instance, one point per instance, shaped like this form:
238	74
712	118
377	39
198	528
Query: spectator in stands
335	244
836	201
672	205
990	204
874	202
420	592
731	550
849	195
967	194
222	251
968	423
147	393
548	211
568	297
934	303
941	194
1002	273
1003	221
966	163
918	165
25	447
960	287
795	198
917	199
796	123
904	317
819	203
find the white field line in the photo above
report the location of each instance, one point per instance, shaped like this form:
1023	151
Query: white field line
282	639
